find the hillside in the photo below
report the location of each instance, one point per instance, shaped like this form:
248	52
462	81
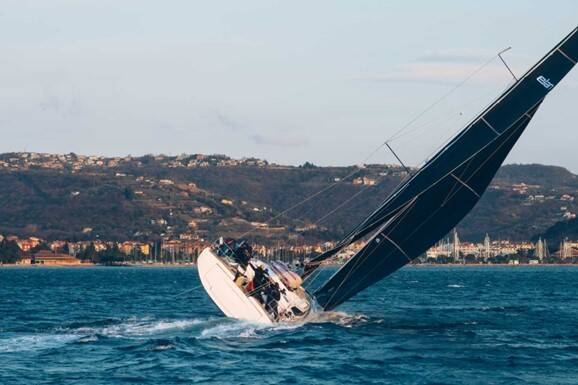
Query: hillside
560	231
75	197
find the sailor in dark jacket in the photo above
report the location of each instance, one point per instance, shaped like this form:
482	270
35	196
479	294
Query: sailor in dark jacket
273	294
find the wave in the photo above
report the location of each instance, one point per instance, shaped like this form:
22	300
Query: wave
225	328
132	328
138	327
35	342
148	328
135	328
338	318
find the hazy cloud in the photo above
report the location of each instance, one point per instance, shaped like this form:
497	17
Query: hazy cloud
456	56
450	66
228	122
444	73
278	140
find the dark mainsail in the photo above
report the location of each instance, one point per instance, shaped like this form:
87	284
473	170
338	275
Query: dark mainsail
432	201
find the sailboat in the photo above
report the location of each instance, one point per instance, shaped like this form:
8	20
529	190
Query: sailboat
417	214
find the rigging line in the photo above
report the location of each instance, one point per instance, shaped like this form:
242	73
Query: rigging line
392	137
521	123
456	136
566	56
432	214
490	126
398	247
320	191
350	272
359	260
397	135
487	159
370	253
311	278
282	213
455	132
444	116
506	64
397	157
455	168
456	187
442	98
345	202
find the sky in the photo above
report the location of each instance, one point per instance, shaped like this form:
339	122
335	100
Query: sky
287	81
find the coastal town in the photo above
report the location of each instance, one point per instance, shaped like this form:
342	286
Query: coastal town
184	251
74	162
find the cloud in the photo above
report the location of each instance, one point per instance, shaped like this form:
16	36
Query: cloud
447	67
278	140
228	122
456	56
440	73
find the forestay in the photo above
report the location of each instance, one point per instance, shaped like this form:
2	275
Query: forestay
432	201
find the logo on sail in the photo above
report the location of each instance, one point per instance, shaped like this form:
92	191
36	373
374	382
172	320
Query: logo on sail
545	82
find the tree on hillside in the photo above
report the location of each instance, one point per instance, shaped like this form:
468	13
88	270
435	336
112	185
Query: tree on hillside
40	247
308	165
9	251
88	254
111	255
128	194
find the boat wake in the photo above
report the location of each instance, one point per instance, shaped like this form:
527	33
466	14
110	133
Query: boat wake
131	328
136	328
338	318
35	342
146	329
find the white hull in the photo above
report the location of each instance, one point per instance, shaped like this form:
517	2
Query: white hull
218	281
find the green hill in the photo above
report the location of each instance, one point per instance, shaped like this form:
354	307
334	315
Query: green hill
75	197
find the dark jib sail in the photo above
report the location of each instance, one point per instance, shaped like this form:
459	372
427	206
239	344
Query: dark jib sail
432	202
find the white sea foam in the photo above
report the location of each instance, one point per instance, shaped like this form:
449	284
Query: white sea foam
131	328
228	328
35	342
337	317
138	327
160	348
455	286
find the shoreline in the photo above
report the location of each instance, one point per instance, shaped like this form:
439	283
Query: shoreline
88	265
180	265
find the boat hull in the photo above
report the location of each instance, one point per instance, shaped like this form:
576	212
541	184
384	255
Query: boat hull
218	281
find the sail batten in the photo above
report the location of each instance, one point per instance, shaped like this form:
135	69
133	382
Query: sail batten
434	199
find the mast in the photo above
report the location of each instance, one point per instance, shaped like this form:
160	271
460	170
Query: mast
456	246
435	198
540	249
487	247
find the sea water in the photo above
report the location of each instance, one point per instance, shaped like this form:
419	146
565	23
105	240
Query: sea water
442	325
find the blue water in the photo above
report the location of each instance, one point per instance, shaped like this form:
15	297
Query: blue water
438	325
